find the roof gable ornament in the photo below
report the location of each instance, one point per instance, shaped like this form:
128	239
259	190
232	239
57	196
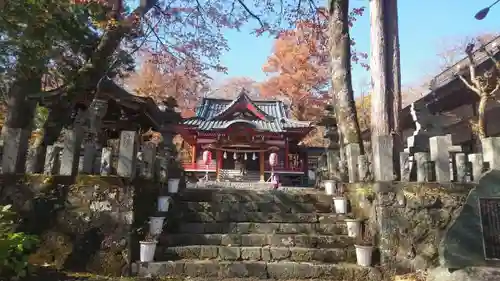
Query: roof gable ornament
242	103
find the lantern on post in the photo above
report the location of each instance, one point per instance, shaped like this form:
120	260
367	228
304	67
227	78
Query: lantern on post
273	161
207	159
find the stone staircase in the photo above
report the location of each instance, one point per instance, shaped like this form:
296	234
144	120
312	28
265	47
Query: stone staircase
235	175
218	234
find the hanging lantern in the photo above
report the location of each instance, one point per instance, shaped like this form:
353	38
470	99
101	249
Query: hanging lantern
245	156
235	156
225	155
207	157
273	159
254	156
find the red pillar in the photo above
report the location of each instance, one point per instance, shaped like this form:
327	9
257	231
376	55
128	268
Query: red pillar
218	164
193	155
286	154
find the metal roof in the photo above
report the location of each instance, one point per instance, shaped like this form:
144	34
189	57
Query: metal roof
211	107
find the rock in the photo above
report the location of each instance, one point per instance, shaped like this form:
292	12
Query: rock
465	274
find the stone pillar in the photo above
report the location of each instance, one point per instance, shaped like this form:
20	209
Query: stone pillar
106	155
71	149
363	167
148	160
461	166
491	152
352	152
51	160
439	147
15	148
127	154
476	162
405	166
262	166
422	163
89	154
383	166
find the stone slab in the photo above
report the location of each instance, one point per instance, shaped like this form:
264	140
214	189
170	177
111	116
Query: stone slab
462	245
258	270
234	253
301	195
257	240
256	206
262	228
257	217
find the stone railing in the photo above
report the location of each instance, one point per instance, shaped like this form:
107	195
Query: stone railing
441	162
129	159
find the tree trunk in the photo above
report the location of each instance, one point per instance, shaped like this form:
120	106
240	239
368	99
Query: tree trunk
340	56
381	101
394	77
481	117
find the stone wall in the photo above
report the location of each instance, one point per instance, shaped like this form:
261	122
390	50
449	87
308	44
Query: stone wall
409	219
85	224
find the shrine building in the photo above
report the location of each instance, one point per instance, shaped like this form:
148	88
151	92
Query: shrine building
240	135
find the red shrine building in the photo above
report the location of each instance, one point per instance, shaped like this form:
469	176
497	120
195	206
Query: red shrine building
241	134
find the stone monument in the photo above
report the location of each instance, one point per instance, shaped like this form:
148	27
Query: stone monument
470	249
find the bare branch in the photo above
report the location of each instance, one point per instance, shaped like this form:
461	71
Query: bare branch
252	14
474	89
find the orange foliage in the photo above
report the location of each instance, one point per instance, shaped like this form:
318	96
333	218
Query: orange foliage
300	63
159	78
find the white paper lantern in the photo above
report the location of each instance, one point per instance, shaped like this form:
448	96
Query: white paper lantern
207	157
273	159
254	156
225	155
245	156
235	156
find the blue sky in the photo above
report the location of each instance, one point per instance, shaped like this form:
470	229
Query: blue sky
423	24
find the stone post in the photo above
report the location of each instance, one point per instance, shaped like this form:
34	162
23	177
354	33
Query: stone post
491	152
71	150
476	162
127	154
422	163
405	166
51	159
383	166
105	169
352	152
439	154
15	148
363	167
461	166
148	160
89	154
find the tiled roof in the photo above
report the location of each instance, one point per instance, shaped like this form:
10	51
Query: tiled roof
276	110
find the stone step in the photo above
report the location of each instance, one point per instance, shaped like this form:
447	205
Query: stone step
263	228
258	269
269	207
257	217
256	240
290	196
235	253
